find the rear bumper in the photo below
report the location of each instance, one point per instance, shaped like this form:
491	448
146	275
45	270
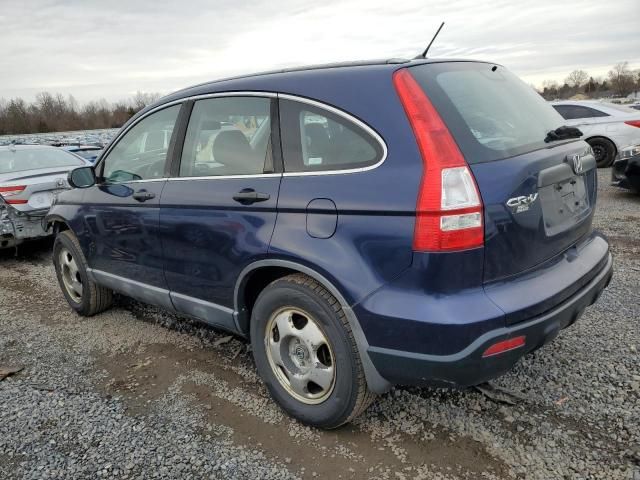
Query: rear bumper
467	367
15	228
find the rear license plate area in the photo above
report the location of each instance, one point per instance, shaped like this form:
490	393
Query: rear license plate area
564	204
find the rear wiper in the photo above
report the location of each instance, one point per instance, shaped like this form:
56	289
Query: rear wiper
562	133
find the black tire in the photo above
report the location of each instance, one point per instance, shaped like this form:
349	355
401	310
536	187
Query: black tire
604	151
350	395
93	298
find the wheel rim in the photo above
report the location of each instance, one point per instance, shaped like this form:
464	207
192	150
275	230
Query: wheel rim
70	275
300	355
598	152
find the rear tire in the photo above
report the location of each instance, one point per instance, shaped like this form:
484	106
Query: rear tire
604	151
299	333
83	295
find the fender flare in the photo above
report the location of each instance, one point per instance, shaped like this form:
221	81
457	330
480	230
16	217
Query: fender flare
375	381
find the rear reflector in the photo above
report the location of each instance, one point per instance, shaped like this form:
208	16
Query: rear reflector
448	209
504	346
633	123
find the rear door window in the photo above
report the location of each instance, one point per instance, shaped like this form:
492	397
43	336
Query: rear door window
315	139
491	113
228	136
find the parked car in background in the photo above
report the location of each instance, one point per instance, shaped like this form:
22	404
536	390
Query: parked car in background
607	127
626	169
430	230
88	152
30	178
635	106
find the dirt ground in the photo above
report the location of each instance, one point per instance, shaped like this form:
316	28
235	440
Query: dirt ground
574	412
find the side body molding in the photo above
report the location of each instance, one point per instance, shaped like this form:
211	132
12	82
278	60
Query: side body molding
375	381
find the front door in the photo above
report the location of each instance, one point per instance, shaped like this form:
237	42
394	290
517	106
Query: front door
121	212
217	215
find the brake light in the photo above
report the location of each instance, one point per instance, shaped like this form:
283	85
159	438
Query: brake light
504	346
449	208
633	123
10	191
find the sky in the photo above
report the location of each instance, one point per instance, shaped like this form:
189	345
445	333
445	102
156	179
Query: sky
110	49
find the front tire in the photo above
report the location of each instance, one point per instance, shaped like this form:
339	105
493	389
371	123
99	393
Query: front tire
306	354
83	295
604	150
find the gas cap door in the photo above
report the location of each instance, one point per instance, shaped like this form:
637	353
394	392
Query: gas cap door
322	218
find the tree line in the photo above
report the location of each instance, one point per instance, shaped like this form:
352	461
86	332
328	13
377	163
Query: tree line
619	82
57	113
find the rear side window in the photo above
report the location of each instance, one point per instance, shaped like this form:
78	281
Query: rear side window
315	139
572	112
490	112
227	136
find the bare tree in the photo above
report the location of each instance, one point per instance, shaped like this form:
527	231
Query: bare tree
621	79
577	78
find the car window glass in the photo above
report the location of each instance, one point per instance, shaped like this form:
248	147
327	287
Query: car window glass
490	112
142	152
20	160
227	136
315	139
574	112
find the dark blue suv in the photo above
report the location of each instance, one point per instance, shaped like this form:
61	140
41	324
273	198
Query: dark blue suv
423	222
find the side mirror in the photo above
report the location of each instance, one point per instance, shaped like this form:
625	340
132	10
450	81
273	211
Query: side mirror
83	177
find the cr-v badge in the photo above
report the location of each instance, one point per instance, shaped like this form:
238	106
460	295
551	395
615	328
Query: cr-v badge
522	203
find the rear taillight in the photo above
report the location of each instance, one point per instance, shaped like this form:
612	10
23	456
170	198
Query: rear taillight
633	123
449	208
9	191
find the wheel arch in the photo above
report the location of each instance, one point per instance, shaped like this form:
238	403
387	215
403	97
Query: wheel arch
57	222
259	274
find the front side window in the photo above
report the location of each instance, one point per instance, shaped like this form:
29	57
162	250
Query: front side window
228	136
314	139
142	152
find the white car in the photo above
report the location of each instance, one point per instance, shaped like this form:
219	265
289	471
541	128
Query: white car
607	127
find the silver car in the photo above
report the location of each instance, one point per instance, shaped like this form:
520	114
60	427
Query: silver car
30	178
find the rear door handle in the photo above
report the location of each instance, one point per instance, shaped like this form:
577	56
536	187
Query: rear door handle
247	196
143	195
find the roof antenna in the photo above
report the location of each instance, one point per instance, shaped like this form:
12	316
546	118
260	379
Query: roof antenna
424	54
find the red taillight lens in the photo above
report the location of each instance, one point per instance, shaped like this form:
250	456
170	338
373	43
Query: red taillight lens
10	191
633	123
449	209
504	346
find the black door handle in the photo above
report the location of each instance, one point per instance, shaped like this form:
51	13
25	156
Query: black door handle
143	195
247	196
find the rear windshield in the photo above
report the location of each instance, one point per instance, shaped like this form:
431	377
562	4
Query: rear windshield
20	160
490	112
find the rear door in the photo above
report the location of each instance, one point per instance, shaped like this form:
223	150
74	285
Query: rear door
218	210
538	195
121	212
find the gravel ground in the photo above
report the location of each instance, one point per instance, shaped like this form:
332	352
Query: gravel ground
139	393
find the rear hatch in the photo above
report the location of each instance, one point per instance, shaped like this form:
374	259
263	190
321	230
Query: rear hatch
538	196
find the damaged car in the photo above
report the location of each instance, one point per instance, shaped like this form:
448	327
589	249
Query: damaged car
30	178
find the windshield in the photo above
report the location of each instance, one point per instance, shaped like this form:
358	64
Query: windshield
20	160
490	112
